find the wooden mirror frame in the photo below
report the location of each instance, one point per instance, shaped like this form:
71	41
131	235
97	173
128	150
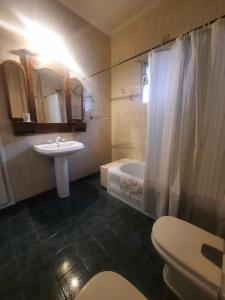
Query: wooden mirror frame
29	62
82	104
6	87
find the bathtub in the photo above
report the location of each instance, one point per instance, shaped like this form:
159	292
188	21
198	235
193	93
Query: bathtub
125	181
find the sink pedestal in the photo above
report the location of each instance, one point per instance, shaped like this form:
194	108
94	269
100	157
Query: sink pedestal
62	176
60	151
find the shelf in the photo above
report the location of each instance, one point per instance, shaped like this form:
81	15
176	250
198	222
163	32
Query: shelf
30	128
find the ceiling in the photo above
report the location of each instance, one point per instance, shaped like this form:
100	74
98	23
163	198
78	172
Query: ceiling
108	15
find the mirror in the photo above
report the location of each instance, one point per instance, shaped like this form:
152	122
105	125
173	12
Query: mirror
41	97
16	89
49	96
76	91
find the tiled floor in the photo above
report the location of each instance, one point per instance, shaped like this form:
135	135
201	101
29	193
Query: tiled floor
50	247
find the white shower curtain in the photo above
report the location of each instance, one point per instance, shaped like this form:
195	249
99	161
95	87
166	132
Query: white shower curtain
185	148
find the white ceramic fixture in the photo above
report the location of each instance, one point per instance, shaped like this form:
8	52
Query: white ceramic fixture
195	259
60	152
109	285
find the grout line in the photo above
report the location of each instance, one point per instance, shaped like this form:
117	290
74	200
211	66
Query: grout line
17	265
49	260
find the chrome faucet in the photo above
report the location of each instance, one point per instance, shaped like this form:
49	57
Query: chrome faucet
58	139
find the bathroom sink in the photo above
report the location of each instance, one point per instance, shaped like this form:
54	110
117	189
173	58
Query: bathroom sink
59	149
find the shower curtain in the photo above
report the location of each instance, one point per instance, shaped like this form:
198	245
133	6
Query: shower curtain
185	148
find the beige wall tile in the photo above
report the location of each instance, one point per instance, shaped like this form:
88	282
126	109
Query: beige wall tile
31	173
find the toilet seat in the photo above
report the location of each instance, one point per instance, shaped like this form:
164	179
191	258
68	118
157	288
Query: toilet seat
109	286
180	244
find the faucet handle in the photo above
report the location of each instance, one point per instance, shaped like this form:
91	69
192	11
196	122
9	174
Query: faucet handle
58	139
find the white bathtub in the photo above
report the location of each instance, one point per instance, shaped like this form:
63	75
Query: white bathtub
125	182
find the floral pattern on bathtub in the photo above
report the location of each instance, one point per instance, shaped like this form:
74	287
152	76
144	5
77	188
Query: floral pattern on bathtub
131	186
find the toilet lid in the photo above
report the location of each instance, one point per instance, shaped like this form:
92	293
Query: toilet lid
183	242
109	286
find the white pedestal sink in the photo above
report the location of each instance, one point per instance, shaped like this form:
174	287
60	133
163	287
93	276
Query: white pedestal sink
60	152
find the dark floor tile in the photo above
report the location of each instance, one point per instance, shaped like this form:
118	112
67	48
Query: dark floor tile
143	271
87	248
74	280
64	261
54	244
6	252
29	261
4	217
118	252
21	228
153	255
105	264
44	269
108	240
169	295
94	180
41	285
47	231
43	212
95	260
46	219
155	288
75	233
94	225
133	245
4	232
18	213
41	291
12	294
9	276
26	243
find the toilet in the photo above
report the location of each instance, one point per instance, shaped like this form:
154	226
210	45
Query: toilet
195	259
109	286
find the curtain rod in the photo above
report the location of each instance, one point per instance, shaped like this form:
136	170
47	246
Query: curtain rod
153	48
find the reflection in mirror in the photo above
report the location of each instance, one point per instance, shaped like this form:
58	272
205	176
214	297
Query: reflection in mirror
49	96
76	98
16	86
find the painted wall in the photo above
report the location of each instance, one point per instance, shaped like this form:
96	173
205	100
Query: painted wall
163	21
29	172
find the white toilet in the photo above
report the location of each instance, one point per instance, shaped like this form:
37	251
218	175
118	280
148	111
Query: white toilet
109	286
195	259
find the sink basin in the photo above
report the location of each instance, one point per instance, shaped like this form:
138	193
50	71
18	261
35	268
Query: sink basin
60	151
